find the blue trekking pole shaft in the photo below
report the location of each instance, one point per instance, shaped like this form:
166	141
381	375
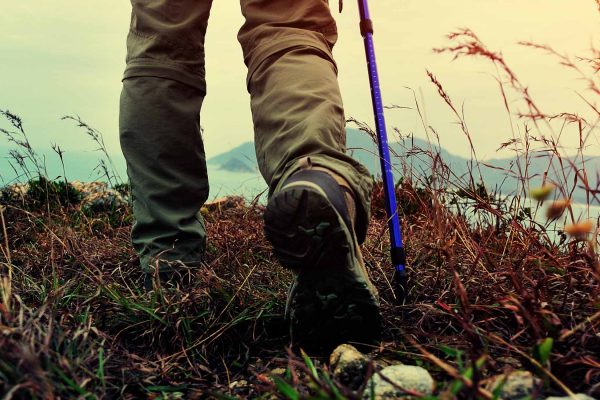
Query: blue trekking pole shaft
397	248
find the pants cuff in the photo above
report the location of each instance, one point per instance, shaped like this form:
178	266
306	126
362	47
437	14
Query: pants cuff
157	69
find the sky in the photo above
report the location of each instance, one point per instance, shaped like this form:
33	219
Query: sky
64	57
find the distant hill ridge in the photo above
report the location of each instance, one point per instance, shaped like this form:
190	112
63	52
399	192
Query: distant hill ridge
81	165
411	151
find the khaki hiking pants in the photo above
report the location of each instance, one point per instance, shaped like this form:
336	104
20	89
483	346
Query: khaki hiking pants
295	100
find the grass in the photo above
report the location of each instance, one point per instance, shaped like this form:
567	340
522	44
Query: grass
77	322
491	290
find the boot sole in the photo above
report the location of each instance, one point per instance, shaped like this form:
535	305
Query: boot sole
328	304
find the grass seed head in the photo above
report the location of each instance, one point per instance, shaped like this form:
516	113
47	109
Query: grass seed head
580	230
543	192
557	208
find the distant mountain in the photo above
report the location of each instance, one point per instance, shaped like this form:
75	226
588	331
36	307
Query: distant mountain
362	148
240	158
237	165
413	155
410	153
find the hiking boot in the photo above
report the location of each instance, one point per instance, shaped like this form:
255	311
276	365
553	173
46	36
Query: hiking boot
332	300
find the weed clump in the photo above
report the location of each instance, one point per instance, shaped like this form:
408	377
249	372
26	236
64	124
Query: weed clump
41	192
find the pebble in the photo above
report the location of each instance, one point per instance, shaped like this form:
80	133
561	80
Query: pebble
408	377
349	366
108	200
517	385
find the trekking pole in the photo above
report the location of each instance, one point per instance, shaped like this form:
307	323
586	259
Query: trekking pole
397	248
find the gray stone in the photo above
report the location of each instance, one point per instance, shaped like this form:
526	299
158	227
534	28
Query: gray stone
238	384
515	384
407	377
107	200
17	191
222	204
87	188
278	372
349	366
509	361
578	396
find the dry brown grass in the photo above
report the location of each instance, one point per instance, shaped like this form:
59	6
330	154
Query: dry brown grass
78	321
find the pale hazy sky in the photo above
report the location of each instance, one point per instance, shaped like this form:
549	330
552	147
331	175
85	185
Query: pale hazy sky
67	56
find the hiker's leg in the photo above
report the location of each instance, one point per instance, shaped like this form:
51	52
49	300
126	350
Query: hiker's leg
163	90
296	102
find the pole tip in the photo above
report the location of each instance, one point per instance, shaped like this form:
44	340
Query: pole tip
401	286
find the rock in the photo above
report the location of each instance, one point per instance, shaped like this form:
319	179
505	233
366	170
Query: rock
223	203
578	396
98	197
278	371
407	377
349	366
509	361
17	191
87	188
238	384
107	200
516	385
